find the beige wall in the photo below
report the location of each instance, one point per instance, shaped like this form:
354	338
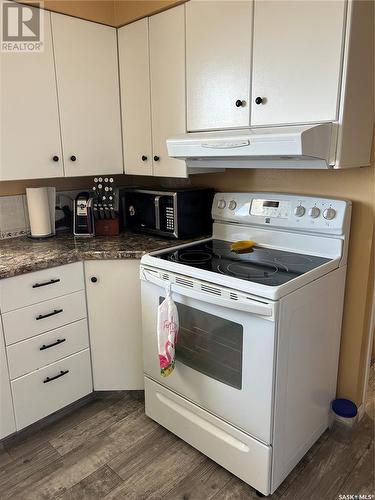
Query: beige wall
357	185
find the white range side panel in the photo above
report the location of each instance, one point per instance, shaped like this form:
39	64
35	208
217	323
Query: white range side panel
297	60
306	369
29	119
168	106
135	97
114	312
218	60
7	422
89	97
356	131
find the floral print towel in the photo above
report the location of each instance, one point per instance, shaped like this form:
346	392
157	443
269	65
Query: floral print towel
167	331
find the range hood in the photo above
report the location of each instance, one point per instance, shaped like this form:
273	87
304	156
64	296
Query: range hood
298	146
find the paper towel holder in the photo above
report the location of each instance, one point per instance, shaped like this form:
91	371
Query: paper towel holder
41	204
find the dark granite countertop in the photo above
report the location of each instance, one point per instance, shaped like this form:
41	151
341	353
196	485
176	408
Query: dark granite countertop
23	255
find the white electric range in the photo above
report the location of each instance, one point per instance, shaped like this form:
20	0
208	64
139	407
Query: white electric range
257	352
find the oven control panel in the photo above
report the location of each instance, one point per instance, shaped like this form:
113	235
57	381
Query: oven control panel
298	212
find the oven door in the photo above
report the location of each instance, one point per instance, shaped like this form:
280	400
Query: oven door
225	349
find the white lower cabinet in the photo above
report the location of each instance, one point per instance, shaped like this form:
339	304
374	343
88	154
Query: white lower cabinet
43	317
45	391
32	354
45	359
48	359
114	312
7	423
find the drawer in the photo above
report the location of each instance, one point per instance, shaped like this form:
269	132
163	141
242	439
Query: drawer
45	391
237	452
39	318
31	288
32	354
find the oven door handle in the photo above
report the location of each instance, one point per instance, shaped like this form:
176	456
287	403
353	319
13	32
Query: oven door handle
251	306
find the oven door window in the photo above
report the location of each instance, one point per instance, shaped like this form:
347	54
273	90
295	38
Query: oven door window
210	345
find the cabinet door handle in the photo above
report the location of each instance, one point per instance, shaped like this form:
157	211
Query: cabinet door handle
43	316
61	374
156	158
45	283
55	158
240	104
144	158
258	100
58	341
73	158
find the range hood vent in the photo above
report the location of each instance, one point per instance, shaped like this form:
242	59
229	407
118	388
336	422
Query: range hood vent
299	146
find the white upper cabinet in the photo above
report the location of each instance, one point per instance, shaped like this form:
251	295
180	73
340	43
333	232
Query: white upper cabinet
297	54
135	97
152	81
30	145
167	69
218	59
88	91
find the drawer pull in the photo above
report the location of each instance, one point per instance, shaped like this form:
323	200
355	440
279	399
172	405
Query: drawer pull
58	341
50	282
61	374
43	316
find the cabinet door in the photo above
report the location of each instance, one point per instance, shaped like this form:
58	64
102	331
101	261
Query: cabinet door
114	310
297	50
218	58
7	423
135	97
29	120
89	100
168	103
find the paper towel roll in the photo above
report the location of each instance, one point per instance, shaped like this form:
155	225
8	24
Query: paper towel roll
39	201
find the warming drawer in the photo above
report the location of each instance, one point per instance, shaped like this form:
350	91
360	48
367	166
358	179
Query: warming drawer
242	455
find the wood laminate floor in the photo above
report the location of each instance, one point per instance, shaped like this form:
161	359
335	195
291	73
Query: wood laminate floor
109	449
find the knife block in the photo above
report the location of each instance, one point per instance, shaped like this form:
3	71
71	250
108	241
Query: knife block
107	227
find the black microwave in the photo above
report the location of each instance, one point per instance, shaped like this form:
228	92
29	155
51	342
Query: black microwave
180	213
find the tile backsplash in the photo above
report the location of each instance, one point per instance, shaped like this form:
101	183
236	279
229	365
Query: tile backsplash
14	217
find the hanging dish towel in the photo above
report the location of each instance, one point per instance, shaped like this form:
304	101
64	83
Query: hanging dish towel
167	333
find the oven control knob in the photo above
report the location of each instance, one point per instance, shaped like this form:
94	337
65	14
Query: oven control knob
314	212
221	204
232	205
329	213
299	211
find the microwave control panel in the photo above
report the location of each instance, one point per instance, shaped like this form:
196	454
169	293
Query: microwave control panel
169	217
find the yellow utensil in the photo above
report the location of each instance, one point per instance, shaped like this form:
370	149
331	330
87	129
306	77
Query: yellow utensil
242	246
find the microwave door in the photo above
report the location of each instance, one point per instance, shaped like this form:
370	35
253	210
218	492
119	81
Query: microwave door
140	211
